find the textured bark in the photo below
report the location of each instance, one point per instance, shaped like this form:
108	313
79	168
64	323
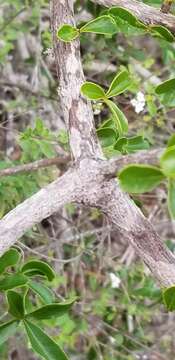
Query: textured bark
147	14
76	109
91	180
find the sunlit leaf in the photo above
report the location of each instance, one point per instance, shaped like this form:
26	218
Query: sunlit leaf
119	84
92	91
101	25
138	179
67	33
167	161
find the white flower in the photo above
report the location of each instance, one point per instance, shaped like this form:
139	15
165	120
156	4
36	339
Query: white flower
138	102
115	281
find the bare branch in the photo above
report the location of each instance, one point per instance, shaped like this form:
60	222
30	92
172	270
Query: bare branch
77	111
34	166
147	14
39	206
111	167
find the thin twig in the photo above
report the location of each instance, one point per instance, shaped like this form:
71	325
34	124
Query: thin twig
50	258
34	166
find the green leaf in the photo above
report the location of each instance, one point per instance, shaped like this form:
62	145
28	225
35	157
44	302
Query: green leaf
67	33
12	281
107	136
120	144
46	148
101	25
171	140
46	295
119	118
10	258
119	84
136	143
16	304
7	330
167	161
138	179
92	91
51	310
126	16
35	267
171	198
166	86
162	32
43	344
169	298
109	123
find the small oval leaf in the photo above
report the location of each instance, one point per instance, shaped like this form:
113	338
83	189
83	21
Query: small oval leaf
119	84
167	161
42	344
138	179
16	304
92	91
166	86
67	33
41	268
107	136
10	258
169	298
102	25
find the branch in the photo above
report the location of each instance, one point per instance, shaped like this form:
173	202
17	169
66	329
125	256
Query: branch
145	13
77	110
129	220
34	166
111	167
39	206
